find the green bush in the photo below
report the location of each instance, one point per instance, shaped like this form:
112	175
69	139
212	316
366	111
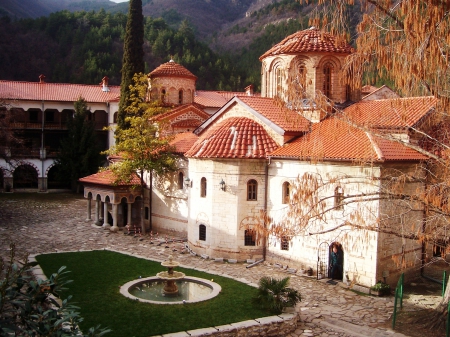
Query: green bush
275	295
30	307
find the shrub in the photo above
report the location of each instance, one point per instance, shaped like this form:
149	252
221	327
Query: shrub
30	307
275	295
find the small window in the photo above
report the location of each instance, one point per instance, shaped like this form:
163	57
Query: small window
146	213
252	188
338	198
180	96
203	187
250	237
163	95
115	118
278	81
286	192
327	73
284	243
202	232
180	180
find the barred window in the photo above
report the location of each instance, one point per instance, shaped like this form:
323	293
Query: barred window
250	237
202	232
284	243
338	198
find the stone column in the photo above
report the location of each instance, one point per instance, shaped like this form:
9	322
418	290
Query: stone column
106	225
88	210
114	228
97	212
129	214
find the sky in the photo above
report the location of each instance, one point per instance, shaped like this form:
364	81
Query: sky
118	0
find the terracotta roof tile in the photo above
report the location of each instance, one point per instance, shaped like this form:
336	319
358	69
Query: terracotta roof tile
285	118
107	177
390	113
182	142
334	139
63	92
209	99
172	69
309	40
180	110
236	137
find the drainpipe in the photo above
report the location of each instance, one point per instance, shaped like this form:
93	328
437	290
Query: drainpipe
42	151
424	216
266	183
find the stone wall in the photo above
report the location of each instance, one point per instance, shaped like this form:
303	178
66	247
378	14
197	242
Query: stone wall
274	326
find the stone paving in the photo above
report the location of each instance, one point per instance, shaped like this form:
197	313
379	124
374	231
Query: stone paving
37	226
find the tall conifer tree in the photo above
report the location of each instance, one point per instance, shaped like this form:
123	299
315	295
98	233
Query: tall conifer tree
133	57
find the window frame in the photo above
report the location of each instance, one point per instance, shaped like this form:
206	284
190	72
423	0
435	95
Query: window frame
202	232
250	237
328	79
203	187
286	190
338	198
180	181
252	190
284	243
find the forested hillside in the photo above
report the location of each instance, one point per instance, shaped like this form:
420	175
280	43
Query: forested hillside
82	47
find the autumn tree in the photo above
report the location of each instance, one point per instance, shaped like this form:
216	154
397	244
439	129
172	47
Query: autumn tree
143	149
133	57
407	42
79	154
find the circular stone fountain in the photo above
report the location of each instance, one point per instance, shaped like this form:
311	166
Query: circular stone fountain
170	277
170	287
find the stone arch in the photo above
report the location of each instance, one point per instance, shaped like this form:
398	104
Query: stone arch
250	235
52	178
26	176
328	77
298	76
202	218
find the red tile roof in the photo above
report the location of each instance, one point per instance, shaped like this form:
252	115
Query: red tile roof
285	118
209	99
235	137
333	139
172	69
186	109
182	142
107	177
390	113
63	92
309	40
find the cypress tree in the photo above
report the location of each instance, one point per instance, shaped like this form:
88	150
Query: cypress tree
133	57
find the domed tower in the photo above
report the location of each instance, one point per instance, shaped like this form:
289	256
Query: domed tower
310	59
172	83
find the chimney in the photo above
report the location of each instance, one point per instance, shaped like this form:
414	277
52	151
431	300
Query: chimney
41	78
249	90
104	84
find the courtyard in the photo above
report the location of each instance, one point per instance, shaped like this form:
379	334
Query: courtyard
55	222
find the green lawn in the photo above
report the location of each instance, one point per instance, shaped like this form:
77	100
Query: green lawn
98	275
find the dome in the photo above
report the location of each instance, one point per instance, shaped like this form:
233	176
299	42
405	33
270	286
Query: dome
309	40
172	69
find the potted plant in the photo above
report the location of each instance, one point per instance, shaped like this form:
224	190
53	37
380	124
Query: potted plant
380	289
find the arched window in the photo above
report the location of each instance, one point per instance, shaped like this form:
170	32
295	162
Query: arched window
252	188
278	81
286	192
250	237
338	198
180	96
202	232
327	77
203	187
163	95
180	180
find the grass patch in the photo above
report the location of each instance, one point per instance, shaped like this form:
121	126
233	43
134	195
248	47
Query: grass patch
98	275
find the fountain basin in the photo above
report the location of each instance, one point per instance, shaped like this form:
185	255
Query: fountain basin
190	290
